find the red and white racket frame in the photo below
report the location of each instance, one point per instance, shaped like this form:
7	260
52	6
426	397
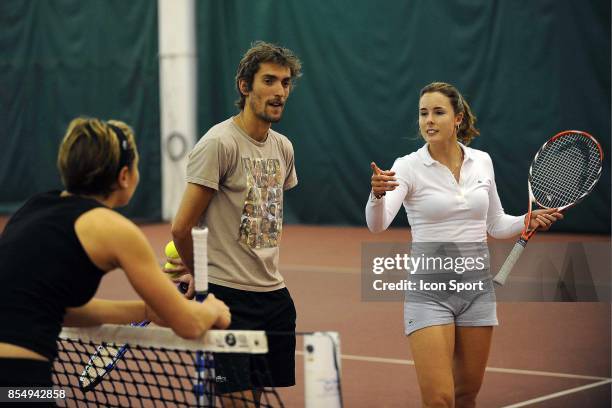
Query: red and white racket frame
526	234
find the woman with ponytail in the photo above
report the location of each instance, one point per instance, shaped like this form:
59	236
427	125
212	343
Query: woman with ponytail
449	193
57	247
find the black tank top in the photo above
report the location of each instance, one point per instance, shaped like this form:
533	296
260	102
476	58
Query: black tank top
43	270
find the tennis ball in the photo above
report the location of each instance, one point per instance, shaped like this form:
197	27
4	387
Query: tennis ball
168	266
171	251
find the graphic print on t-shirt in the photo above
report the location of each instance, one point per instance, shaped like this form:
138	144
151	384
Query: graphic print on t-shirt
262	215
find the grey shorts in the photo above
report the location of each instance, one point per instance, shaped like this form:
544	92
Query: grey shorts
426	309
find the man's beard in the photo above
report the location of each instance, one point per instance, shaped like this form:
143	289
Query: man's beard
263	116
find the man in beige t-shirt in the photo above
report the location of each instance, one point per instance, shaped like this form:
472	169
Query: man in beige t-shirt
236	176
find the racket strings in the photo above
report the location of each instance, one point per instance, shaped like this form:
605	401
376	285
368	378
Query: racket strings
548	190
549	193
565	170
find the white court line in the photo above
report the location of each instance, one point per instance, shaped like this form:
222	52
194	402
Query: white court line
324	269
559	394
489	369
369	359
545	374
356	271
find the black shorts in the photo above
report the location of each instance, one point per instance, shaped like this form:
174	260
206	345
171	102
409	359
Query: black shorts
24	372
269	311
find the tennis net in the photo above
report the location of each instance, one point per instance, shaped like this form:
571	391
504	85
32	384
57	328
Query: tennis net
119	366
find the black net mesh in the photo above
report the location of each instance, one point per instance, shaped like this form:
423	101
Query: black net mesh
108	374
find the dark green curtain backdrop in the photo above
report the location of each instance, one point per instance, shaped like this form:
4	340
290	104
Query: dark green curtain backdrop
530	68
62	59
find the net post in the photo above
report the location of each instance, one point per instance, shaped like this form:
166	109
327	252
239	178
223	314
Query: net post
322	370
204	387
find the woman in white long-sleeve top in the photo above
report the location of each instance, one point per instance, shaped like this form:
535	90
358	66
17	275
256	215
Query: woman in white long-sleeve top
449	193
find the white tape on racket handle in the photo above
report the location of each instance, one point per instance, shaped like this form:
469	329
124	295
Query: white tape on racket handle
200	259
506	268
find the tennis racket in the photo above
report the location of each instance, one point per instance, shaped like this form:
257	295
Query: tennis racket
200	262
106	357
205	366
563	172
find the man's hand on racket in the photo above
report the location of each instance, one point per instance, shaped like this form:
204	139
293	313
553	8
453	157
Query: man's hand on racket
186	278
543	219
177	266
382	181
179	273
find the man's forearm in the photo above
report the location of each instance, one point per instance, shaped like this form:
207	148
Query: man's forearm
193	206
184	246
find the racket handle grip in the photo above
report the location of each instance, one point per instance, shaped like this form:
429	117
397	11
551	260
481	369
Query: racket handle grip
201	296
506	268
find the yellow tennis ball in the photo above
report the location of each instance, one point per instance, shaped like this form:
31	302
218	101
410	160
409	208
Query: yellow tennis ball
171	251
168	266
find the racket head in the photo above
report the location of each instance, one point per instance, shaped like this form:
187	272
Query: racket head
200	261
565	170
102	362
